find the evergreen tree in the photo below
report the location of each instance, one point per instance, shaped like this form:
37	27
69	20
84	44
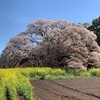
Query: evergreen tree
95	27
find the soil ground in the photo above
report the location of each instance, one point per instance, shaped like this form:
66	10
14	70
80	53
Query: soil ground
67	89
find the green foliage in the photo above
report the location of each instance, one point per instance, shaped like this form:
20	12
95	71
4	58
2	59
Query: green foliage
94	72
95	27
85	74
85	24
13	83
57	73
43	73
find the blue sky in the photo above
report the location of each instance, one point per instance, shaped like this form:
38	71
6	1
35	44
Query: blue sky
16	14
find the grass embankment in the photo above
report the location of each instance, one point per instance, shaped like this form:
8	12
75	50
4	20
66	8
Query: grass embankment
15	82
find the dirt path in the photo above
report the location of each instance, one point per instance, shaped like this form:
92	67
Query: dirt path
69	89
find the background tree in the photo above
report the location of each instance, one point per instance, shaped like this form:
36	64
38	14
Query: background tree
85	24
95	27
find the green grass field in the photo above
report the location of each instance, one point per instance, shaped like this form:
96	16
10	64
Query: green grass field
16	81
